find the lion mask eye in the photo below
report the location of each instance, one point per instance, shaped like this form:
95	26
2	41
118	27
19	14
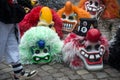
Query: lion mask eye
45	50
63	16
71	18
88	48
37	51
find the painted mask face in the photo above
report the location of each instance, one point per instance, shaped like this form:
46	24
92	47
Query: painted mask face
69	17
41	53
92	55
69	22
95	8
93	51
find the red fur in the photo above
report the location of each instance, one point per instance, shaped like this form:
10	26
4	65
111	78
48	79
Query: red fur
77	62
32	18
70	37
76	42
75	39
104	42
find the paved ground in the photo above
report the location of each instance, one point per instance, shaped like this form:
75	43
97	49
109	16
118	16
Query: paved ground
62	72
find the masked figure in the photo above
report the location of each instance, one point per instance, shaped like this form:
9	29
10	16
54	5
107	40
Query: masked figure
42	16
70	16
107	9
88	52
40	45
94	7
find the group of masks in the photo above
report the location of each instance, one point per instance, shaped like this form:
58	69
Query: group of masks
90	47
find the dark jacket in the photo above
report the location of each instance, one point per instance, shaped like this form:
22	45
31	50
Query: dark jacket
25	3
11	13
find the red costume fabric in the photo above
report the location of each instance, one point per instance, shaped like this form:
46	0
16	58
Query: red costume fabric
31	19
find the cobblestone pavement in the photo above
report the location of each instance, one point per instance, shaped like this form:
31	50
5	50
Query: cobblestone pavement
62	72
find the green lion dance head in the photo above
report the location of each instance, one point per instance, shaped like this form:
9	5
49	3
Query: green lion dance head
39	45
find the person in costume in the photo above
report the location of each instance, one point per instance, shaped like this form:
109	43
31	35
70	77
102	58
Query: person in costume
87	52
31	19
106	9
70	15
28	4
40	45
114	56
11	14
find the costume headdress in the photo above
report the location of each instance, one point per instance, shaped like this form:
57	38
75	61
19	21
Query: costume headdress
107	9
40	45
32	19
88	51
70	15
46	18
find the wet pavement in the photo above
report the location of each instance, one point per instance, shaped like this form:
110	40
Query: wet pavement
59	71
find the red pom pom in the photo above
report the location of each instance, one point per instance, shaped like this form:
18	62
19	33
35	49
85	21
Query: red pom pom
93	35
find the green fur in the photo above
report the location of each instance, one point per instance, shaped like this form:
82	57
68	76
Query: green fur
35	34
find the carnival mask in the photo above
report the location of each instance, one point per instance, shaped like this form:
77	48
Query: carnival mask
41	53
95	8
69	22
92	52
92	56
